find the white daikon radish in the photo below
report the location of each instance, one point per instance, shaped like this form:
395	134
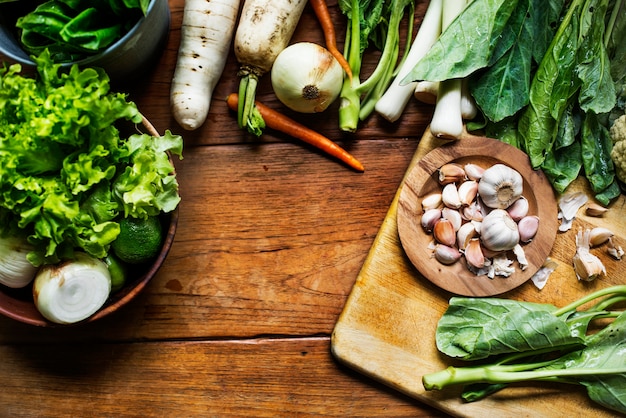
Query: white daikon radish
206	34
264	30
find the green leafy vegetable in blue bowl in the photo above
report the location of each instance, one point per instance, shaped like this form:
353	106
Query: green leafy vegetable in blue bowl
124	37
75	29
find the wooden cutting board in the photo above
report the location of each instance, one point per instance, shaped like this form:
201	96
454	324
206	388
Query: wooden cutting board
387	327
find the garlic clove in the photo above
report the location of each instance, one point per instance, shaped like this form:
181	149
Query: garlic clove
465	233
593	209
473	212
430	218
467	192
451	173
447	255
444	232
599	235
500	186
450	196
518	209
473	171
431	201
528	227
453	216
587	266
474	254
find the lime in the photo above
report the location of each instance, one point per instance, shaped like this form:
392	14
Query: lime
117	270
139	240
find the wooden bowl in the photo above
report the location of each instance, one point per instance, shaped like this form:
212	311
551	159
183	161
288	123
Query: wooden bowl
18	303
422	181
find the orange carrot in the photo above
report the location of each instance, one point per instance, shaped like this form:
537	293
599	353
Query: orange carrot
323	16
286	125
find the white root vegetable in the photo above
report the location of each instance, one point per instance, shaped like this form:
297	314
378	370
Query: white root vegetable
264	30
72	291
392	103
447	119
426	91
206	34
15	270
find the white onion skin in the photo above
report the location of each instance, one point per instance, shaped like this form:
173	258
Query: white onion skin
306	77
72	291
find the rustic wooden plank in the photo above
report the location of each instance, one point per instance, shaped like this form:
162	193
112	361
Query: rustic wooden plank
260	377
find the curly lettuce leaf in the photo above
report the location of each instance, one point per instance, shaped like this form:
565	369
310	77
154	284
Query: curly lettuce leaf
148	185
62	157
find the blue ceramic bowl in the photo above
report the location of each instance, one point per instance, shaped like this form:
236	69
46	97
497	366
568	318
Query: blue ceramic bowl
126	59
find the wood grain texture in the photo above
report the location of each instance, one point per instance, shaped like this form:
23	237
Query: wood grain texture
237	322
390	294
190	379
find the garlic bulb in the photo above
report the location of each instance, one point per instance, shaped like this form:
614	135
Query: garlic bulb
306	77
500	186
498	231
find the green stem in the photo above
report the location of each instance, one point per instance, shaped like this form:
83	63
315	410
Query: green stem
621	289
505	374
245	107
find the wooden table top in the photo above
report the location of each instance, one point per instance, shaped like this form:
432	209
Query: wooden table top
271	237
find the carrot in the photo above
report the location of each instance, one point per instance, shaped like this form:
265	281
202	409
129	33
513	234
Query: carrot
206	32
286	125
264	30
323	16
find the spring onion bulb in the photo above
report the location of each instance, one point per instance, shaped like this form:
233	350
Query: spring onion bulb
447	119
15	270
306	77
392	103
72	291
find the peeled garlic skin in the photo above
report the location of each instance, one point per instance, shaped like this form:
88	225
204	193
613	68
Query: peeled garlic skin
306	77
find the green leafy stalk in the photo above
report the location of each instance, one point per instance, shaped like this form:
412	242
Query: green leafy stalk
378	22
544	343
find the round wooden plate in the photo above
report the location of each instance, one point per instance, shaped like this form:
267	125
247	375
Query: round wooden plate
422	181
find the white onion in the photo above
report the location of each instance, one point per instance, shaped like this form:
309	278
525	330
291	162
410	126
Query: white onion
72	291
15	270
306	77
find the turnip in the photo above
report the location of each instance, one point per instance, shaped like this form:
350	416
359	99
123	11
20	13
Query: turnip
206	33
264	30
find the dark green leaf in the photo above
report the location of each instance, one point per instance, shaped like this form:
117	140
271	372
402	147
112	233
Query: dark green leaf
563	166
604	351
596	153
597	91
550	91
467	44
476	328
